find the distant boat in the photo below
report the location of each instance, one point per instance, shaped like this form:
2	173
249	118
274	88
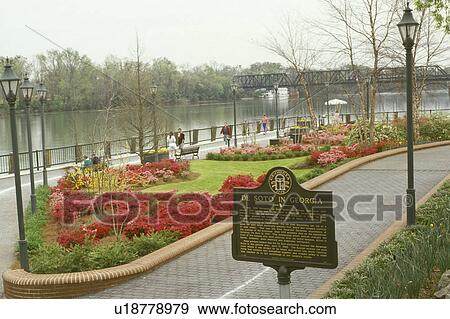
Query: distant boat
268	95
282	92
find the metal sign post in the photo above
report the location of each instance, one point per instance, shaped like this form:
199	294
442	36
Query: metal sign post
284	226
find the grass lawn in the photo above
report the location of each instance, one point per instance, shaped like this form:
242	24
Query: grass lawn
213	173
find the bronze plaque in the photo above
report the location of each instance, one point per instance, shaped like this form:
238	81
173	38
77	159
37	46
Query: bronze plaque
281	223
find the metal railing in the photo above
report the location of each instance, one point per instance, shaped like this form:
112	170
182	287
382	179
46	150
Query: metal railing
117	147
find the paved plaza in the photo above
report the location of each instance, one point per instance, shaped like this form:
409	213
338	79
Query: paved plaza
211	272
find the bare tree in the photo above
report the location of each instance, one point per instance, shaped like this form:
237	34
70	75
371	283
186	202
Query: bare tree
140	116
290	45
428	48
361	32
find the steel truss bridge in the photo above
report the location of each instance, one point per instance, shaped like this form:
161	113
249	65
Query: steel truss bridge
432	73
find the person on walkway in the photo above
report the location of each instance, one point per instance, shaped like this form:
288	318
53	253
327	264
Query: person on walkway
264	121
87	162
95	159
226	131
172	144
245	132
180	138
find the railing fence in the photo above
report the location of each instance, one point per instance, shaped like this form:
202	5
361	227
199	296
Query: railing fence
75	153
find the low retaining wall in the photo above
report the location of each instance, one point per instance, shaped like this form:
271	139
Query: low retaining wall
22	284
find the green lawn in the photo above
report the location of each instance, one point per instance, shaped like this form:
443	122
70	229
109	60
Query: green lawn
213	173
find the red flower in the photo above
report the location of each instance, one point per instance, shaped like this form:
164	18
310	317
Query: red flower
97	230
70	238
243	181
261	178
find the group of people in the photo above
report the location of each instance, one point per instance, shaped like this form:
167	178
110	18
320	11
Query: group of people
91	161
175	142
227	132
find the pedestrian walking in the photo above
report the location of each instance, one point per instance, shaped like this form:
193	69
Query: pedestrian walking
180	138
172	144
264	122
226	131
245	131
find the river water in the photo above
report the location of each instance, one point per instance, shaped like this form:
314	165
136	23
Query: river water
60	125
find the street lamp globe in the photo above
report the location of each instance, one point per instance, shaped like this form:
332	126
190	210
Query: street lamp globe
9	82
408	27
153	89
234	87
27	89
42	91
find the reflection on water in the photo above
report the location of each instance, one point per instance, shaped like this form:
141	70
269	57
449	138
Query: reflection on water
60	125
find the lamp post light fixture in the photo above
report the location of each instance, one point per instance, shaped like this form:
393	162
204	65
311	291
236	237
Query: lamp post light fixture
408	27
275	88
42	91
9	83
27	92
328	103
234	90
153	91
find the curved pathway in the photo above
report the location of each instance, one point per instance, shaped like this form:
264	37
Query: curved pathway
210	272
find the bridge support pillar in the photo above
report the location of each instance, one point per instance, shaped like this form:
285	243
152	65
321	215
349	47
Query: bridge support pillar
448	87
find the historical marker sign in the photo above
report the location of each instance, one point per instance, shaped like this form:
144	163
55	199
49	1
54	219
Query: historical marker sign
282	224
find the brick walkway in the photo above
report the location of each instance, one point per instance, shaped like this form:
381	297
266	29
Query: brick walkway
210	271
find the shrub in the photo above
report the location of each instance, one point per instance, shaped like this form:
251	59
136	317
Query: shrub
244	181
49	258
97	230
69	238
435	128
110	255
310	175
34	223
138	228
254	152
144	245
325	148
402	266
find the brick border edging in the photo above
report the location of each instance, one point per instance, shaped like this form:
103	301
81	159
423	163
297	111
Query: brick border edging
22	284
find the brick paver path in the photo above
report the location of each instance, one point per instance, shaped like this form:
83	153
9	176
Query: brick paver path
210	271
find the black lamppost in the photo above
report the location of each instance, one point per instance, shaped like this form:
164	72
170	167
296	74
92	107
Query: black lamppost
328	104
368	98
275	88
234	89
153	90
27	92
408	27
42	91
9	82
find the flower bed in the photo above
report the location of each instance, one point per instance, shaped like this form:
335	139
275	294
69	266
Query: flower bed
405	266
126	178
323	138
339	153
128	224
254	152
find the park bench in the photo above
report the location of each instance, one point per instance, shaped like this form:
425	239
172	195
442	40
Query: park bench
187	150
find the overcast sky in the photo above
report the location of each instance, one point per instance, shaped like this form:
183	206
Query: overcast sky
185	31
